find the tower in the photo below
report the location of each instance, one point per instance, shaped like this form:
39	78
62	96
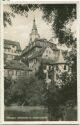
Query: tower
34	33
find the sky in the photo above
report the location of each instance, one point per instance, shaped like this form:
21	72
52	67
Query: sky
22	26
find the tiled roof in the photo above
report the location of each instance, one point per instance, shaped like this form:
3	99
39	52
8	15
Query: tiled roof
10	42
17	65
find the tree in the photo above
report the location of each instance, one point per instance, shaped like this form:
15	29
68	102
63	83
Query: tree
7	84
64	14
40	73
28	91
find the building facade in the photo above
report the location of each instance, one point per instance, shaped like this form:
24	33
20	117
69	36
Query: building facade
13	67
40	51
11	49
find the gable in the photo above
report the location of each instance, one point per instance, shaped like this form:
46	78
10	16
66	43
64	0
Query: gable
48	53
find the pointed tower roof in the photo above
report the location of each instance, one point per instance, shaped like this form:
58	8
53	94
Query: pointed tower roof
34	33
61	58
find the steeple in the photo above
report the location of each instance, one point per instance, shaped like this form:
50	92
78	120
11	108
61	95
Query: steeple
34	25
34	33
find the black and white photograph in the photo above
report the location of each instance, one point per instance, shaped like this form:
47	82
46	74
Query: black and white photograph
40	62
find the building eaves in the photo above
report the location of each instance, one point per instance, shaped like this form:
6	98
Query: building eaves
16	65
10	42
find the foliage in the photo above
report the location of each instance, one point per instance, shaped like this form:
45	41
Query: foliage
68	80
23	8
62	14
59	15
29	93
40	74
7	84
7	18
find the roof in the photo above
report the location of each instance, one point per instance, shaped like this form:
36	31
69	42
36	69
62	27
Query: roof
10	42
41	43
60	58
37	53
16	65
57	60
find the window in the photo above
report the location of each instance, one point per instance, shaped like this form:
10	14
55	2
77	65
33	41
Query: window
16	72
46	51
37	49
34	61
46	55
64	67
8	50
12	50
57	68
12	72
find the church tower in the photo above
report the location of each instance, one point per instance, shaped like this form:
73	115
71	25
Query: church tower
34	33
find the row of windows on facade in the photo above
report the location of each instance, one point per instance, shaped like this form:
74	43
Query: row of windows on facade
10	57
15	72
32	65
56	67
11	51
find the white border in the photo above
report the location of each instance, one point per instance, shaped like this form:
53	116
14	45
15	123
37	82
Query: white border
2	64
40	2
78	60
2	68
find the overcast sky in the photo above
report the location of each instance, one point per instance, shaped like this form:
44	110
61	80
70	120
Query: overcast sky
22	26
